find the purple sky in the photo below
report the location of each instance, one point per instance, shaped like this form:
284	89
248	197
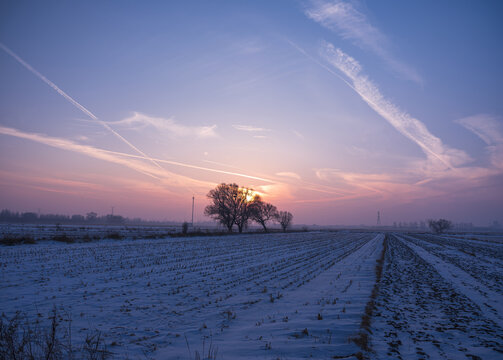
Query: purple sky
332	110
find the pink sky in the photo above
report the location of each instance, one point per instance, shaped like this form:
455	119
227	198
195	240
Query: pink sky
323	109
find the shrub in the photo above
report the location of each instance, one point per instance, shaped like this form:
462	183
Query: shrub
19	340
17	240
115	235
439	226
63	238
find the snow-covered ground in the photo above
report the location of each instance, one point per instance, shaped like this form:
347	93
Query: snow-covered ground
80	233
268	296
429	306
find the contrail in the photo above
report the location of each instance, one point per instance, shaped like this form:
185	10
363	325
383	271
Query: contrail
303	52
112	156
74	102
192	166
374	106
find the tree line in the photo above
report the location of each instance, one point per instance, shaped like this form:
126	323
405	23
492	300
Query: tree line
35	218
234	205
91	218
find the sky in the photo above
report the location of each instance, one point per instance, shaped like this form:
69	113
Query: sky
332	110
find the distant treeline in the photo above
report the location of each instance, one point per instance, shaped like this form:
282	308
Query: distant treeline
7	216
423	225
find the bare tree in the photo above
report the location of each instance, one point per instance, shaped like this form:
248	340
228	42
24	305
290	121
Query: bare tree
263	212
224	204
439	226
246	204
285	219
91	216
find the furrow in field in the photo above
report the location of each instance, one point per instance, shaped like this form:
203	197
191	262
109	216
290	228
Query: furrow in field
314	320
472	259
145	294
488	301
421	315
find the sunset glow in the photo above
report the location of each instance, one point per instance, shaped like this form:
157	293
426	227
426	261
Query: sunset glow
333	110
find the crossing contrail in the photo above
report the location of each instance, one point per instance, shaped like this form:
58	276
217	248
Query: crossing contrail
141	155
74	102
115	156
193	166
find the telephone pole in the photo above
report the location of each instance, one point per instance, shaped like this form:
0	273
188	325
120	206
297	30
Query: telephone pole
192	210
378	218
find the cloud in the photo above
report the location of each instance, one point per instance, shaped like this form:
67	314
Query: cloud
74	102
415	182
57	184
344	19
444	171
69	145
289	175
82	138
134	162
139	121
490	130
250	128
298	134
438	153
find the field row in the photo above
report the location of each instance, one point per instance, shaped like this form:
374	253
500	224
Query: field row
145	294
286	296
429	306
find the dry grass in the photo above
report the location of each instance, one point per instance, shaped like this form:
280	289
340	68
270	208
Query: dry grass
64	238
20	340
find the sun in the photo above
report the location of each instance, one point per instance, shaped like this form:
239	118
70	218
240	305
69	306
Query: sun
250	195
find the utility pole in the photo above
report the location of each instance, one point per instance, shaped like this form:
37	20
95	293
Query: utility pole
112	210
192	210
378	218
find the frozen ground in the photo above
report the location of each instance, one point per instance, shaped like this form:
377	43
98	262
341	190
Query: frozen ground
430	307
273	296
82	233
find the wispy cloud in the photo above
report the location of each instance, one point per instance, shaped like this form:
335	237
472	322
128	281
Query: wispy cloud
140	121
69	145
410	127
444	170
490	130
73	101
346	20
57	184
135	162
298	134
289	175
250	128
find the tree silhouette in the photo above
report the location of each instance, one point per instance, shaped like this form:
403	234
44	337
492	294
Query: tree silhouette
224	206
285	219
91	216
263	212
439	226
233	205
246	203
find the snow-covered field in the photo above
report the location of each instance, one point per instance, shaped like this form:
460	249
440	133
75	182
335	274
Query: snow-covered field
268	296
